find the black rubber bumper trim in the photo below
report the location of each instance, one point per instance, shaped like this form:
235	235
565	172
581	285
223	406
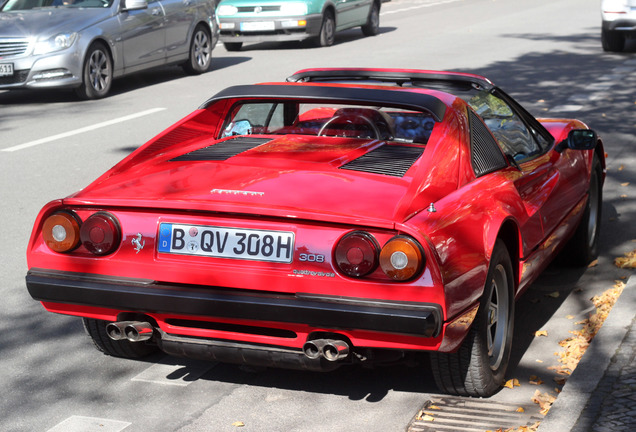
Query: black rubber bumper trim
408	318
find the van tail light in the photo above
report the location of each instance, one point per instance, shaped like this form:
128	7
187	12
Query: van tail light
100	233
356	254
61	231
401	258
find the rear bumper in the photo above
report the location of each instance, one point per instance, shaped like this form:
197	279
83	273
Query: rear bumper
404	318
284	29
624	25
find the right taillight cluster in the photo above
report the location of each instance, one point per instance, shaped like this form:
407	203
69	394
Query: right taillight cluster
64	231
358	254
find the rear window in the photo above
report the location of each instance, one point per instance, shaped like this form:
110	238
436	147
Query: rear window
329	120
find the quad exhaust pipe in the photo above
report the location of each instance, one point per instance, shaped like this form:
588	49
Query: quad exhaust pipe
330	349
134	331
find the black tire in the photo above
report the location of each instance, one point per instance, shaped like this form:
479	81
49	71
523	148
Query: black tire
97	73
233	46
200	56
479	366
612	41
372	27
327	34
583	246
96	329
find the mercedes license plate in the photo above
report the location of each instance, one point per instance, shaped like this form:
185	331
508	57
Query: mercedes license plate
223	242
6	69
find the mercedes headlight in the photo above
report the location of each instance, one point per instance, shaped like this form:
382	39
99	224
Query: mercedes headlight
58	42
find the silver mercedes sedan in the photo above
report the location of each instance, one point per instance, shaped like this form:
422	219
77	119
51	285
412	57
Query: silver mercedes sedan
84	44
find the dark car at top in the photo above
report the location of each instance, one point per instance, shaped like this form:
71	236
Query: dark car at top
85	44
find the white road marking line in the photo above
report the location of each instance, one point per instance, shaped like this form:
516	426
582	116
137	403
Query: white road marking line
182	374
420	6
82	130
89	424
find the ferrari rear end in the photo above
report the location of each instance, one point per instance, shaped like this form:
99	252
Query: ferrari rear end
260	290
270	249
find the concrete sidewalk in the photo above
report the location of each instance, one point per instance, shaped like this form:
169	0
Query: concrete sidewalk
600	395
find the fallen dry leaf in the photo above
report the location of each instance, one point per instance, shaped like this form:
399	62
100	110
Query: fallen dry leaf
627	261
544	400
593	264
512	383
540	333
554	294
238	424
428	418
621	168
520	410
625	184
569	316
535	380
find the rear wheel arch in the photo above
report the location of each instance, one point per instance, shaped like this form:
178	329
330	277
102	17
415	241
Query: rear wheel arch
510	235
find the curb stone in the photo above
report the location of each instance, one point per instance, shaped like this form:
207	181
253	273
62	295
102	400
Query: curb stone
599	375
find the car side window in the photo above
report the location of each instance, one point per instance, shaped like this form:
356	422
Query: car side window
510	131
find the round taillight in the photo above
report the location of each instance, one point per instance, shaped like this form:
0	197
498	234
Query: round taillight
100	233
61	231
401	258
356	254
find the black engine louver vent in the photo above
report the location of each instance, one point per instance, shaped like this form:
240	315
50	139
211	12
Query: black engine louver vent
486	156
392	160
223	150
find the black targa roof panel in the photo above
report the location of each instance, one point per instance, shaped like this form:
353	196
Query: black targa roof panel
386	75
397	98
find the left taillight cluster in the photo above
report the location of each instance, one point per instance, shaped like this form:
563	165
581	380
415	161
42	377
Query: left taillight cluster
64	231
358	254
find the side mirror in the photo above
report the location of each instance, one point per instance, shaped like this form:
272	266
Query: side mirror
134	4
578	139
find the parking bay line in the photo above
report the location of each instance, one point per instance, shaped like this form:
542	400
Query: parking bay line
82	130
177	372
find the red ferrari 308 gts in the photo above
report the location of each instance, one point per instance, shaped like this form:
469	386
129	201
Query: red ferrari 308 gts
345	216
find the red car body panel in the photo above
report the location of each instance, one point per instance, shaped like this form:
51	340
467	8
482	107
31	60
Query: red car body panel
293	183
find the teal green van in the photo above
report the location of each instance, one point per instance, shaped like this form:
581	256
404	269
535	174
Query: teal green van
293	20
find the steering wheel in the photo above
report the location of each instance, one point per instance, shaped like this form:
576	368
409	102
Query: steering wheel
351	123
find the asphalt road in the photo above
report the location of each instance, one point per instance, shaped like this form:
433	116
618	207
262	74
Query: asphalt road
546	53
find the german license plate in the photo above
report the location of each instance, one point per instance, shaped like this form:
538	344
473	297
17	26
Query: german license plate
223	242
6	69
257	26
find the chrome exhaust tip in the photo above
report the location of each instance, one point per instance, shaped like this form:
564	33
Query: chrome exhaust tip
138	331
313	348
134	331
330	349
116	330
335	350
